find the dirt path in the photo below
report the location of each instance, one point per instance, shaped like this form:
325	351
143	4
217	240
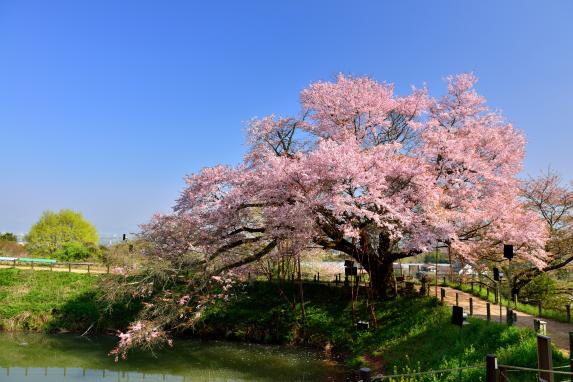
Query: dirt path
74	269
558	331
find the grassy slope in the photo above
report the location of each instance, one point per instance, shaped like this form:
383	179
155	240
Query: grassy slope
50	301
413	333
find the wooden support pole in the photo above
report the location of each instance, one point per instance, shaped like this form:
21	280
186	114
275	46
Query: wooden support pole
488	311
471	306
490	368
544	359
503	374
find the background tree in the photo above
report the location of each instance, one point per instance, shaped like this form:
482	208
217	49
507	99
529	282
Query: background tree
8	236
549	197
61	233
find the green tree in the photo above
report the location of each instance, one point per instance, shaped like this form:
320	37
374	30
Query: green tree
55	232
8	236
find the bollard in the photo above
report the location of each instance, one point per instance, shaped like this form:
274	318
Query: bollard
442	294
490	368
488	311
544	358
539	326
457	299
365	375
471	306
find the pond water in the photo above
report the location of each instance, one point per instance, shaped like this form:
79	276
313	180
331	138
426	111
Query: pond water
55	358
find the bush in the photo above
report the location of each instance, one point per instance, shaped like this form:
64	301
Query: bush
8	236
74	251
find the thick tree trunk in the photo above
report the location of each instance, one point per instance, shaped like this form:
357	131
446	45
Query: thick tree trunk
382	278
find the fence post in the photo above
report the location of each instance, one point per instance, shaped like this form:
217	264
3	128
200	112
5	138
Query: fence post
568	310
364	375
544	361
508	316
490	368
457	299
88	269
69	267
442	294
471	306
503	374
488	311
571	352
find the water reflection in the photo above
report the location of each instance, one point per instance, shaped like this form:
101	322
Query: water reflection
50	374
46	358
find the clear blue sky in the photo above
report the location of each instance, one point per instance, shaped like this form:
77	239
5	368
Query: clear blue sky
105	105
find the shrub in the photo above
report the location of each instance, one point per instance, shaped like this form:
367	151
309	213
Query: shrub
73	251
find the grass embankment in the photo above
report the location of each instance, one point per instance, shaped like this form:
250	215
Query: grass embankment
412	333
557	315
52	301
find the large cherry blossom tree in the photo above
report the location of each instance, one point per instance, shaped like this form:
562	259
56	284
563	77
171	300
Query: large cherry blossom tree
364	171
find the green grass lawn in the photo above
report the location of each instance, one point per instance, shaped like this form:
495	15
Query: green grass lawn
53	301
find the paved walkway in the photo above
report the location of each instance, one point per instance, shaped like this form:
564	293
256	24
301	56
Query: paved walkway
558	331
